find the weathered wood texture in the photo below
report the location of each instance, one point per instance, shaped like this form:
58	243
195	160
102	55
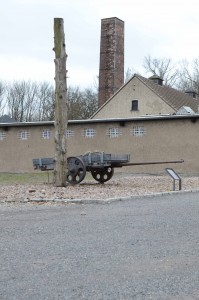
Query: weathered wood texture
60	104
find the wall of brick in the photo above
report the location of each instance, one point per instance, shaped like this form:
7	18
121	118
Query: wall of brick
111	73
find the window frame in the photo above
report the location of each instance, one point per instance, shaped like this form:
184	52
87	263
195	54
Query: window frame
89	132
113	132
46	134
138	131
134	105
2	135
69	133
24	135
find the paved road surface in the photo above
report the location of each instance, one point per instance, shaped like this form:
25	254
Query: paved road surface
141	249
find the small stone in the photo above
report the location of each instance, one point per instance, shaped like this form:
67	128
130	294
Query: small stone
83	213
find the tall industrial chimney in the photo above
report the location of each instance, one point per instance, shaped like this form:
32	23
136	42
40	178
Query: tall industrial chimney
111	71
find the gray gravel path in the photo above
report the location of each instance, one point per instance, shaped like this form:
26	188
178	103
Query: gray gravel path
147	248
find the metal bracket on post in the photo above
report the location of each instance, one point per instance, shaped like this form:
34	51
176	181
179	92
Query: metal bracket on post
175	177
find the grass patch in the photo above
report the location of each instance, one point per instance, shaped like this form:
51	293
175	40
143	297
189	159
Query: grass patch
31	178
26	178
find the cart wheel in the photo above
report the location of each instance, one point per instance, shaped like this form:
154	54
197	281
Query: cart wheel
76	170
102	175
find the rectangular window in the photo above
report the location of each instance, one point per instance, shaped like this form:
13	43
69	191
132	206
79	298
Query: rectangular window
45	134
138	131
89	132
134	105
2	135
23	135
113	132
69	133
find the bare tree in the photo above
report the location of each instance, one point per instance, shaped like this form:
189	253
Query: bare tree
45	102
35	101
16	100
74	103
189	76
128	74
2	102
162	67
21	98
90	103
81	104
30	101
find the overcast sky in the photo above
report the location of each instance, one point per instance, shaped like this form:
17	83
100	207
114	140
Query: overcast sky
158	28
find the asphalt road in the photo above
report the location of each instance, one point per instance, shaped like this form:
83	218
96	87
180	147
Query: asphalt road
146	248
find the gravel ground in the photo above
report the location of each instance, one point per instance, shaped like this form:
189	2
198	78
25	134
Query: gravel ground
141	249
120	186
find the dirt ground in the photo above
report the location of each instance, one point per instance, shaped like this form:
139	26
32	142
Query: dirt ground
119	186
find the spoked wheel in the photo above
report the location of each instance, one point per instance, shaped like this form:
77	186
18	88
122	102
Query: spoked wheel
76	170
102	175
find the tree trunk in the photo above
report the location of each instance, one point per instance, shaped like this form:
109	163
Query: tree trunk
60	104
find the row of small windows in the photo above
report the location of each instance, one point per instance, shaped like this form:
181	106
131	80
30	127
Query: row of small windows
25	134
112	132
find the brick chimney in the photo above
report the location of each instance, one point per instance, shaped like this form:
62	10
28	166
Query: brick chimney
111	71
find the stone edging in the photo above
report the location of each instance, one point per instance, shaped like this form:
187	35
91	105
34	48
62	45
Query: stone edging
99	201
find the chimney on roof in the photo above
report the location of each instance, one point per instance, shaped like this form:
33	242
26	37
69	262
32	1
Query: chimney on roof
191	93
156	79
111	71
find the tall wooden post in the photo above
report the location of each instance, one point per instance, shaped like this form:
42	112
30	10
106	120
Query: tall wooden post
60	104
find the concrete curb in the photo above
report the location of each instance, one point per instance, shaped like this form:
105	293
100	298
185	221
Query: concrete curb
108	200
95	201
